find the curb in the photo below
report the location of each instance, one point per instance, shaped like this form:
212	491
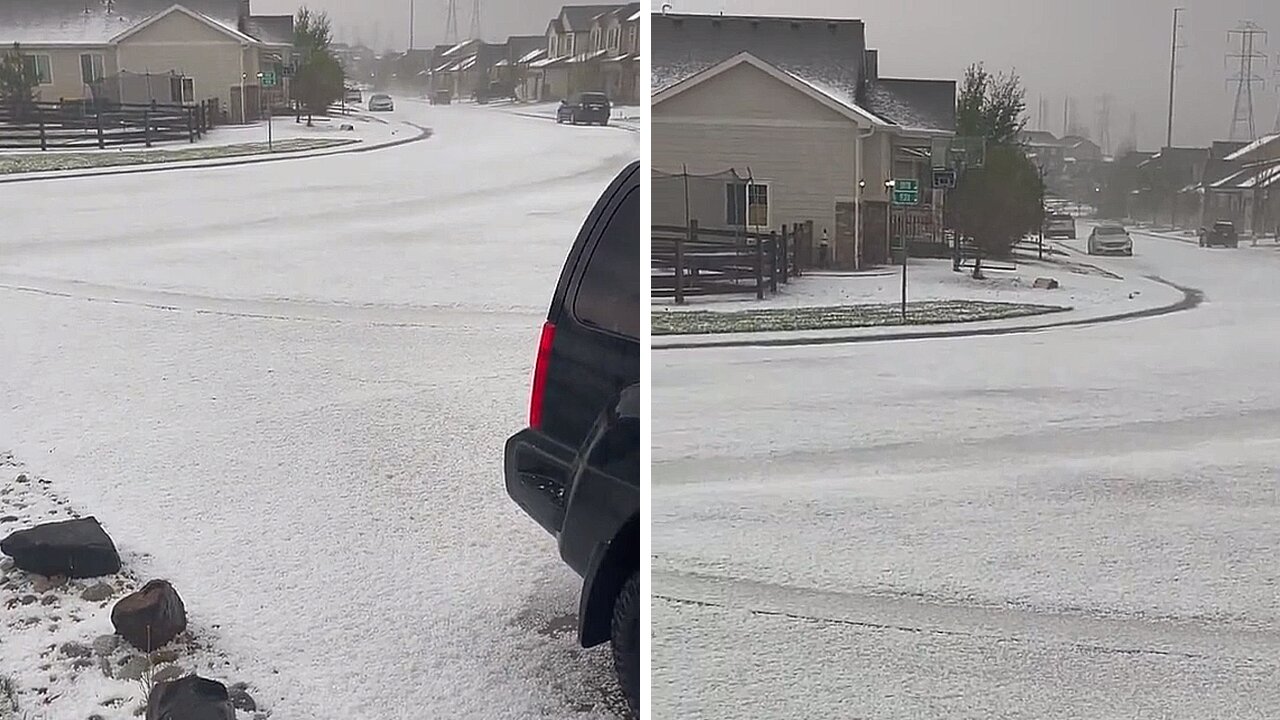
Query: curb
424	133
1191	298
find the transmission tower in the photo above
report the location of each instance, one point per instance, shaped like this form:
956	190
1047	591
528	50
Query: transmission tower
475	21
1243	126
1277	130
451	25
1104	123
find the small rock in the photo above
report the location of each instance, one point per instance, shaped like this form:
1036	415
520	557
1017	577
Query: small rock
1045	283
151	617
348	128
133	669
49	600
106	644
45	584
82	663
22	477
9	519
105	666
76	650
240	698
27	599
98	593
6	564
191	697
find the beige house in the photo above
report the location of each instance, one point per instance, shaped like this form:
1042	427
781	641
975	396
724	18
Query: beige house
812	125
174	55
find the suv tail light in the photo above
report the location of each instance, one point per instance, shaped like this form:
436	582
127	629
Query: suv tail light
540	374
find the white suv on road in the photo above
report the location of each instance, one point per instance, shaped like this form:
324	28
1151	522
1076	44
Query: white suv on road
1110	240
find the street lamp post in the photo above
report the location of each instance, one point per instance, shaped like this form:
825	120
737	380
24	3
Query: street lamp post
888	216
267	104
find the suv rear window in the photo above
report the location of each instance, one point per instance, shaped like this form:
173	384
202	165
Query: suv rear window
609	293
594	97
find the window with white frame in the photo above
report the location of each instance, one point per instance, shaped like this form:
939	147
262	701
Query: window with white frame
595	38
631	39
92	68
747	204
569	43
39	67
615	36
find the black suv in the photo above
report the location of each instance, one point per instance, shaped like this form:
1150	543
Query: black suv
1222	233
576	468
588	107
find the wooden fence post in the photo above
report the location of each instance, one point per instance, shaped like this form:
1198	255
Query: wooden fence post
191	125
102	140
773	275
759	268
146	123
691	237
44	139
786	258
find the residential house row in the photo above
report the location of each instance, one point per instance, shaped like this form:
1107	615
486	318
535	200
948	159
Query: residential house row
586	48
1191	188
144	51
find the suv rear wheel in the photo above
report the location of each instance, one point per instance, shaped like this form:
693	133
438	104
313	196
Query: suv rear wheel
626	641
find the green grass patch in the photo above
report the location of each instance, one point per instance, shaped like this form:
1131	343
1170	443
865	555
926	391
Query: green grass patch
933	312
11	164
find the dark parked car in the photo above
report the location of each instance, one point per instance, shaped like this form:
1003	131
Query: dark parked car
576	467
1222	233
589	108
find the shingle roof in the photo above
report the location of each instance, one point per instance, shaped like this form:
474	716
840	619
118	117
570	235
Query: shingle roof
1253	146
825	54
579	17
274	29
36	22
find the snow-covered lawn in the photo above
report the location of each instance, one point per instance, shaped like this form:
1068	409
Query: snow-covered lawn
289	385
50	162
928	312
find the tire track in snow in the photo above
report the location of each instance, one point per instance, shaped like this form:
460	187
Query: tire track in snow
1176	638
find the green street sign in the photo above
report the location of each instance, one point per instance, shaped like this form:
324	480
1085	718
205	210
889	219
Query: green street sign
269	79
906	192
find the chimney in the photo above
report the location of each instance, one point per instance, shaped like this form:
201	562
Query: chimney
871	66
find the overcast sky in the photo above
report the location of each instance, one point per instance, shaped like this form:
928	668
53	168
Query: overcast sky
1080	47
385	23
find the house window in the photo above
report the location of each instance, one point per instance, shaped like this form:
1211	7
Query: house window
747	204
615	35
631	39
39	67
595	38
569	44
92	69
553	46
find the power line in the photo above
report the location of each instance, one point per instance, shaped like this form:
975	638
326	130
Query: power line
1243	125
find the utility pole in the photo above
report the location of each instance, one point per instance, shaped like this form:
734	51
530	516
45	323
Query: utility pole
1173	72
1242	117
412	3
1104	123
451	24
475	21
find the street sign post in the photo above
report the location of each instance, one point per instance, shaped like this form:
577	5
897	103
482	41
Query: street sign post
906	192
944	179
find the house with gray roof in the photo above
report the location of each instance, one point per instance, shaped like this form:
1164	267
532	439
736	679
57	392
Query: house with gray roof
800	106
572	61
138	51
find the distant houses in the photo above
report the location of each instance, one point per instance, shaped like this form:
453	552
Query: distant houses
584	48
142	51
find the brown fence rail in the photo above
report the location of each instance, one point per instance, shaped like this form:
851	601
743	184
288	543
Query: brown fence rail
89	125
693	261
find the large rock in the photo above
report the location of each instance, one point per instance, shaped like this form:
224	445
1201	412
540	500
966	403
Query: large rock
151	617
1045	283
190	698
72	548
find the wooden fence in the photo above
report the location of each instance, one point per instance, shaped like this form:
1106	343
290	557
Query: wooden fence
88	125
693	261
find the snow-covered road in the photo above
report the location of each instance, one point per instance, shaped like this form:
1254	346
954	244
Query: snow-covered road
1077	523
290	384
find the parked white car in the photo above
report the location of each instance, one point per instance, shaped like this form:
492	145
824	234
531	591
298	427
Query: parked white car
381	103
1110	240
